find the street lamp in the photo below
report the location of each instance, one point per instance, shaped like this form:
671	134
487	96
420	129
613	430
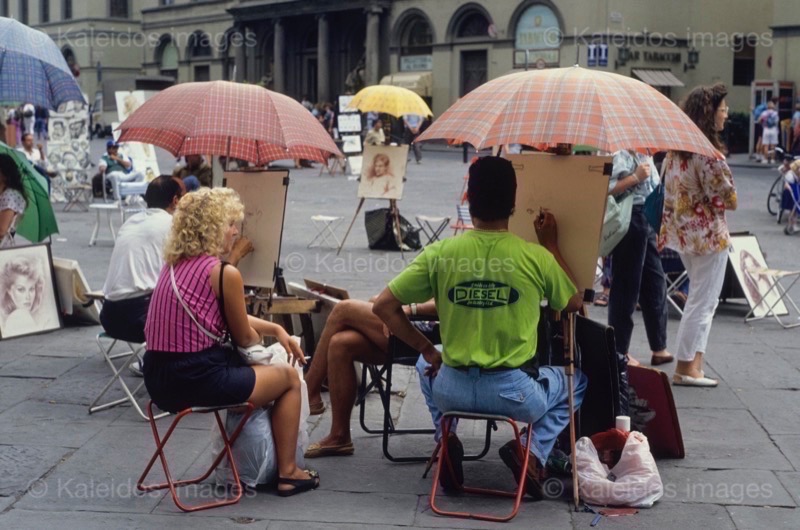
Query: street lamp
692	58
623	55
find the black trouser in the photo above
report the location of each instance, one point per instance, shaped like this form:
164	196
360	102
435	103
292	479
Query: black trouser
636	275
417	148
125	319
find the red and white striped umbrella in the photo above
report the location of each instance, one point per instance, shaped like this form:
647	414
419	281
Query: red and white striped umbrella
229	119
570	105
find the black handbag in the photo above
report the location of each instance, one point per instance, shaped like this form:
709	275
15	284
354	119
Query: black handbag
381	231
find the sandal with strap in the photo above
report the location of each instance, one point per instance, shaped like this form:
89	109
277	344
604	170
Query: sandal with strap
299	485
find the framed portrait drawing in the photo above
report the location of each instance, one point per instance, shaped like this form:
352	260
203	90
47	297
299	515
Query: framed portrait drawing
382	171
28	297
352	144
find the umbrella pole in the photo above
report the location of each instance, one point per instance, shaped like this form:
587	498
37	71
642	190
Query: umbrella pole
360	204
569	354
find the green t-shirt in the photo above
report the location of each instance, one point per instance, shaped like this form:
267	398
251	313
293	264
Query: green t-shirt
487	286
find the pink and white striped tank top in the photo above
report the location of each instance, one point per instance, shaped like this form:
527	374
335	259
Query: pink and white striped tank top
168	327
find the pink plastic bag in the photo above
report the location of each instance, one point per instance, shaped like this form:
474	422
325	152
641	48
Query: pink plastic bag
634	481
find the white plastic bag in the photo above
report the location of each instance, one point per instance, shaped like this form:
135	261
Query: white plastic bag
254	450
634	481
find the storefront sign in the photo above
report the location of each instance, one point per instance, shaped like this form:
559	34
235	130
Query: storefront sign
655	57
416	63
548	57
537	29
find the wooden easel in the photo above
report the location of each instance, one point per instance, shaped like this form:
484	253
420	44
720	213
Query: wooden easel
395	214
265	303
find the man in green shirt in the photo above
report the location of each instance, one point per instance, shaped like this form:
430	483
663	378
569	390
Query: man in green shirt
488	285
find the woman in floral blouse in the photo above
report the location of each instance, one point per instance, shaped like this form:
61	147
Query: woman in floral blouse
697	192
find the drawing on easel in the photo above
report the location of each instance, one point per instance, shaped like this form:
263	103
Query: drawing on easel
263	194
382	172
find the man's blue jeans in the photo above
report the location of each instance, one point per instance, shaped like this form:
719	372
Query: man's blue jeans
513	393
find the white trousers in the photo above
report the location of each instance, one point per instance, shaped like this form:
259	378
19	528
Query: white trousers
115	177
706	274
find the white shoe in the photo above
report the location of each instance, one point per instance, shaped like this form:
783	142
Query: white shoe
686	380
136	368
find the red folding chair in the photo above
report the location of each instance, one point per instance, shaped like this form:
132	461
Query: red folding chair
444	462
227	442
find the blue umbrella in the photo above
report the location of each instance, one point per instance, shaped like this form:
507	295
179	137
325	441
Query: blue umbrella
32	69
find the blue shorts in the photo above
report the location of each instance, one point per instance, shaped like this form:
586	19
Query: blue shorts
212	377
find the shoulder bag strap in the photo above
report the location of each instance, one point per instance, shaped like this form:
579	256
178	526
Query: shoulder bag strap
188	311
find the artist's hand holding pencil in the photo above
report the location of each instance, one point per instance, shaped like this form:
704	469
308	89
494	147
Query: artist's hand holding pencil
546	229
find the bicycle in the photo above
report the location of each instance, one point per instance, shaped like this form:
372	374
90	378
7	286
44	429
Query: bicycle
774	198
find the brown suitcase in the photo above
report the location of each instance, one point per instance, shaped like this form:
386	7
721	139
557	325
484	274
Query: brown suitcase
652	411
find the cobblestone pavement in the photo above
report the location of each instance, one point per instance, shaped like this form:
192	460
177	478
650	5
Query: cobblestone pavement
60	467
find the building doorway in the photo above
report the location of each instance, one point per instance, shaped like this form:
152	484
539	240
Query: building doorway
473	70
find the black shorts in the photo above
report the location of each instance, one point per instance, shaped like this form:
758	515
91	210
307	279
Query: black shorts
125	319
212	377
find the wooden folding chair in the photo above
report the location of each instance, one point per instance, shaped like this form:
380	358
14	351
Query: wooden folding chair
779	293
117	370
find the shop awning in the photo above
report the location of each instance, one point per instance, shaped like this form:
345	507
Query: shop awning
419	82
657	77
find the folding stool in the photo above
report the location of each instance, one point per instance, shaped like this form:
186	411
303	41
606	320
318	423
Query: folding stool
325	225
128	357
227	443
463	219
444	461
432	227
781	295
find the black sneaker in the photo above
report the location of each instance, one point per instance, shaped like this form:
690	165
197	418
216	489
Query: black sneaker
455	450
534	476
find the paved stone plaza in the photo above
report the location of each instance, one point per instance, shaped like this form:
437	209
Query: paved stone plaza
60	467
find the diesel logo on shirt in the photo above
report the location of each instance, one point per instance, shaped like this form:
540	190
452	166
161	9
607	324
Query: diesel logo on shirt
483	294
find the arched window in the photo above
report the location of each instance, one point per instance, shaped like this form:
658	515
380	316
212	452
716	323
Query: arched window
199	45
473	24
72	62
414	35
537	35
167	57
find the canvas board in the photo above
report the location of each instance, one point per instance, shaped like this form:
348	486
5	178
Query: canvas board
349	123
68	146
574	189
28	299
355	163
72	289
143	155
263	194
745	254
382	171
352	143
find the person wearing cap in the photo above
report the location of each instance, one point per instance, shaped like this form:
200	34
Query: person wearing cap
117	168
487	285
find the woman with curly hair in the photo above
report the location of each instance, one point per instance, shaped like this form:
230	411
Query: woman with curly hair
198	301
12	199
21	287
697	192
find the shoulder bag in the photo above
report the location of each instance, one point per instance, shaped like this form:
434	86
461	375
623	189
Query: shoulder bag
616	222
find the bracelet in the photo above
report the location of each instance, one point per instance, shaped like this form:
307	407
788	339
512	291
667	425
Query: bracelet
413	309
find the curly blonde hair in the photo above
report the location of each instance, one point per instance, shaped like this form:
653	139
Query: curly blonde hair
200	222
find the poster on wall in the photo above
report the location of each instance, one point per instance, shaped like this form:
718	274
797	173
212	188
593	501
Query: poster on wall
574	189
143	155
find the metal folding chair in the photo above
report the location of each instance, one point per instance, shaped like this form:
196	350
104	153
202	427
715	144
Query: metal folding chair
128	357
380	378
326	235
432	227
463	219
227	442
780	294
444	462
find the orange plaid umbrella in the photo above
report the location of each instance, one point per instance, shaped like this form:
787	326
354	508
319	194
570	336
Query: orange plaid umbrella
229	119
570	105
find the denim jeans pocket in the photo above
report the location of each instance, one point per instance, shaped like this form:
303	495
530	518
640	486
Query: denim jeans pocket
517	396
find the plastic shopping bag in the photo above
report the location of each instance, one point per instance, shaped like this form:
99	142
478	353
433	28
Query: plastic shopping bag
634	481
254	449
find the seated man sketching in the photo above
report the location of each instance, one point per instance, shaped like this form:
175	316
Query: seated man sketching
117	168
487	285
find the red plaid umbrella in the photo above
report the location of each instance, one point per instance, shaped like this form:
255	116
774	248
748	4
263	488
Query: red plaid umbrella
229	119
570	105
